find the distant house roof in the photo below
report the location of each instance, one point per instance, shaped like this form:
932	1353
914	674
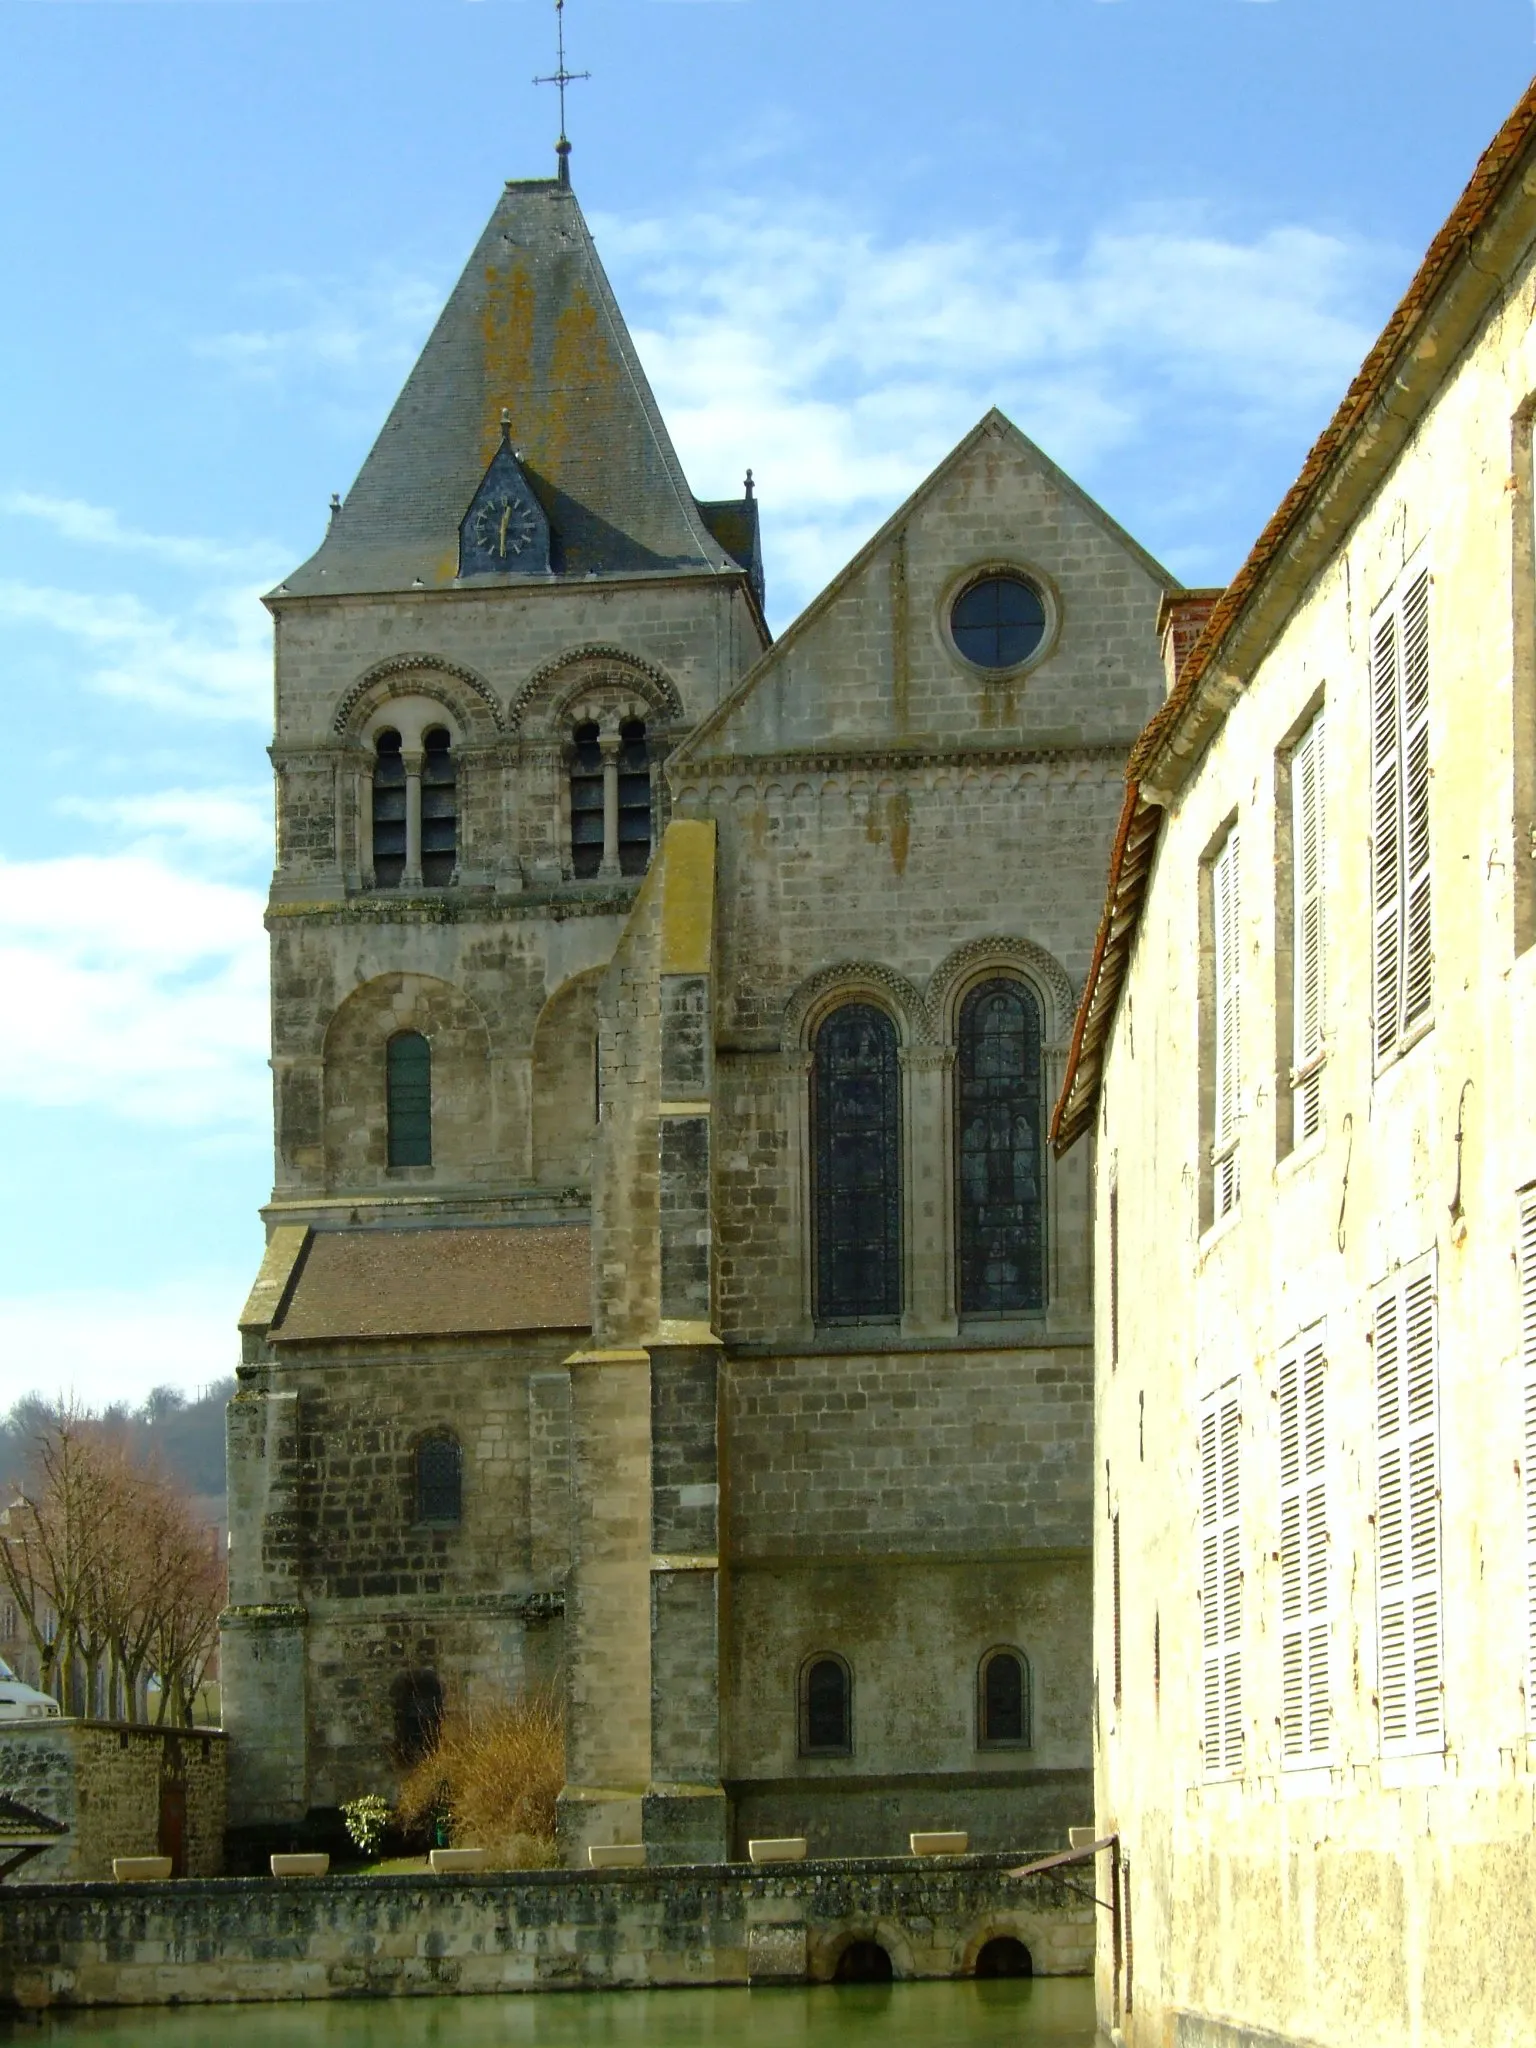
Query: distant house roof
436	1283
23	1825
1390	392
532	327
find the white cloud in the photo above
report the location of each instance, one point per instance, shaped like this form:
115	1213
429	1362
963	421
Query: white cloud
844	367
108	1345
377	323
212	659
97	526
146	991
220	825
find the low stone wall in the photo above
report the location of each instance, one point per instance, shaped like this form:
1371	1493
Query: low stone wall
547	1930
121	1789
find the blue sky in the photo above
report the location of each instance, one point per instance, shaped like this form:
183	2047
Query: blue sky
1159	233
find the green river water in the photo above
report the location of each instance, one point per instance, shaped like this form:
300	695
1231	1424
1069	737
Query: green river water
1043	2012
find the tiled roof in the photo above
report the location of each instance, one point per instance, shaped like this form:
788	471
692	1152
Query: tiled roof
24	1824
532	326
735	524
1140	820
432	1283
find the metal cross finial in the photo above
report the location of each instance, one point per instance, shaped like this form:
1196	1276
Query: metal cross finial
562	78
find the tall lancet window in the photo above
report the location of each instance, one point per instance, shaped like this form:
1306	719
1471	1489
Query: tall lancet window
634	798
408	1099
439	809
389	796
857	1109
586	801
1000	1177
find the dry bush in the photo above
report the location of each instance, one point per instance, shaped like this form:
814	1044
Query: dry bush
495	1772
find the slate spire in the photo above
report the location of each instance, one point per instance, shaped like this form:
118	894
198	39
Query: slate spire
531	328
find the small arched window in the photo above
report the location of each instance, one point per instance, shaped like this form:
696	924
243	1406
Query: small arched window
856	1106
439	810
439	1479
408	1093
634	798
388	811
417	1698
1002	1700
586	801
1000	1168
826	1707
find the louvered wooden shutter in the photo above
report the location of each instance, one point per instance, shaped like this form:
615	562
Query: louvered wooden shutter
1225	914
1528	1463
1306	1720
1418	986
1221	1583
1403	954
1386	832
1408	1515
1308	796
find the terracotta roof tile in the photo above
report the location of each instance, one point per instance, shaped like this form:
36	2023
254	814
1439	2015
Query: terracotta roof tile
437	1283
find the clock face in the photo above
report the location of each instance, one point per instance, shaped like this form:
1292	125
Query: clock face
504	526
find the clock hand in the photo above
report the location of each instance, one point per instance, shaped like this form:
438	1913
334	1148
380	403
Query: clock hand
501	538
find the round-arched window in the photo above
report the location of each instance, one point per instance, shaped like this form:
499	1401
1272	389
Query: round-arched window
998	621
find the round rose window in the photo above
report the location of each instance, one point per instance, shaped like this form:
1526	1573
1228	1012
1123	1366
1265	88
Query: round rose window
998	622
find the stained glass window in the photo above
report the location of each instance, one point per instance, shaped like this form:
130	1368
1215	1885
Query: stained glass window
857	1106
388	811
439	1480
998	622
1004	1699
1000	1168
408	1088
439	810
826	1719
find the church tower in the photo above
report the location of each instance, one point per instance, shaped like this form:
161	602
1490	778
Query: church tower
516	614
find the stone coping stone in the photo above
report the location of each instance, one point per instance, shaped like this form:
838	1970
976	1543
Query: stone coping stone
616	1856
777	1849
814	1867
936	1842
138	1869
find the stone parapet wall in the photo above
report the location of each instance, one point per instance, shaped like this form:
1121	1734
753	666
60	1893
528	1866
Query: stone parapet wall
260	1939
122	1789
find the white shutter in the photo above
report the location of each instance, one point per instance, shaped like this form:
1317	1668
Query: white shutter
1308	800
1408	1514
1225	915
1418	983
1528	1461
1307	1714
1221	1583
1403	952
1386	833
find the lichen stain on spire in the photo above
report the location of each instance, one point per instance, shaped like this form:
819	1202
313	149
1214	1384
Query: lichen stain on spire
585	380
506	326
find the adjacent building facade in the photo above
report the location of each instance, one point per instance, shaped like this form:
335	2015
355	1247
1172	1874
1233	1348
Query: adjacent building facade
1300	1063
669	1291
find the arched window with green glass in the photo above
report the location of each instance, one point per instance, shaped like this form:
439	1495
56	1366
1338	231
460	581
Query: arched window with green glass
1000	1164
408	1097
856	1118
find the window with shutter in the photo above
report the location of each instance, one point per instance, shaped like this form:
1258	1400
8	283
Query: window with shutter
1408	1599
1309	939
1528	1462
1221	1583
1225	914
1402	966
1306	1705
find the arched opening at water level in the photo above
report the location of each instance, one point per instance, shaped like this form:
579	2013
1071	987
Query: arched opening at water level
863	1962
1004	1956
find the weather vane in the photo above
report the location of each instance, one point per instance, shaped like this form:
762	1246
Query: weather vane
562	78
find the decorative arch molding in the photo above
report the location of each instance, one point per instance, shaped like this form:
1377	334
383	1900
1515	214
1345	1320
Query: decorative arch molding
631	670
969	962
467	695
846	983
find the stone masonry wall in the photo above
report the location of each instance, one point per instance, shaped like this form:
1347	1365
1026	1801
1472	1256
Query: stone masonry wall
105	1781
536	1931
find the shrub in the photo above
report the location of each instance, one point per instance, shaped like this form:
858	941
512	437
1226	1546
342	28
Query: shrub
366	1820
494	1774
